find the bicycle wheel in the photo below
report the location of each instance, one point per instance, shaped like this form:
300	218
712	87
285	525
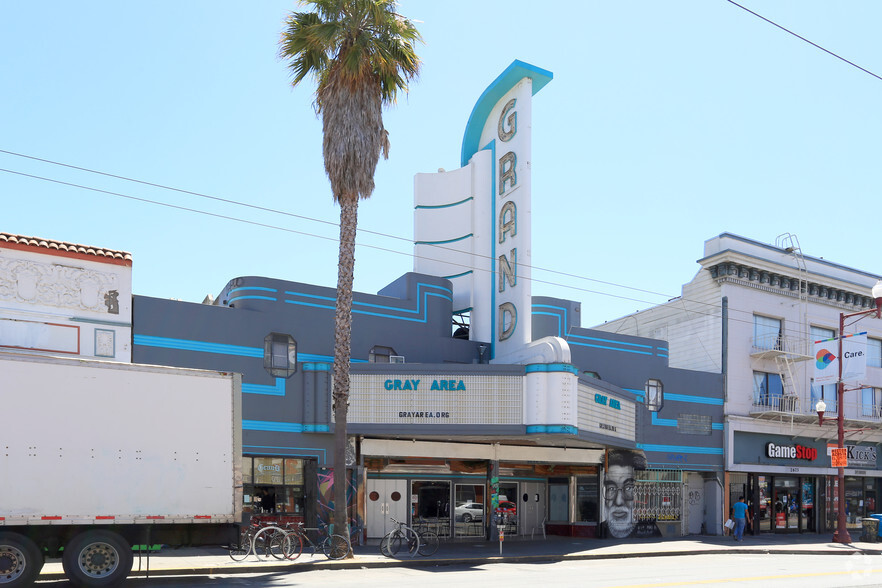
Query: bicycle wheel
292	546
241	550
429	543
388	541
263	541
336	546
276	543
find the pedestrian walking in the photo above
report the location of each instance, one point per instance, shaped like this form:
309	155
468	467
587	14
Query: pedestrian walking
739	513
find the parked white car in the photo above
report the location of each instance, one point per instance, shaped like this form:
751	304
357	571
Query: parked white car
469	511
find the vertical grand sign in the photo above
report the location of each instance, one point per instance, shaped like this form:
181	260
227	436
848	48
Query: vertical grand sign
507	136
472	225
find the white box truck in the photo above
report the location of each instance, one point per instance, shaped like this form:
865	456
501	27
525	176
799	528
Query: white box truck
98	456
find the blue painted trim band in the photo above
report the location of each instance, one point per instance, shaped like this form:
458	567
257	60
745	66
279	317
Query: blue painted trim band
320	454
248	425
681	449
552	430
421	300
551	367
188	345
431	207
278	389
507	80
258	288
454	276
659	422
232	300
317	367
464	237
694	399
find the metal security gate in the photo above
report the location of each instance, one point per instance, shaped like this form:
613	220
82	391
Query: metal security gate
658	496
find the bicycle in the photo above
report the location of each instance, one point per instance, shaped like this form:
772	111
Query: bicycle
257	538
422	542
290	543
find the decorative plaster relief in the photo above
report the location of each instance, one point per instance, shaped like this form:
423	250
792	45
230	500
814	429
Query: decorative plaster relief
58	285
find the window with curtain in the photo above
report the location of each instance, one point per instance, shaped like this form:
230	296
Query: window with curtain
767	332
767	389
874	352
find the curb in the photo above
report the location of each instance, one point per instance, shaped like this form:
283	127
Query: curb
359	563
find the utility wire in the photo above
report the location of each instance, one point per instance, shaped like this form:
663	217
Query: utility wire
713	308
292	215
304	233
851	63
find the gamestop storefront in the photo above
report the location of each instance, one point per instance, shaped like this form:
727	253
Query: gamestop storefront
791	487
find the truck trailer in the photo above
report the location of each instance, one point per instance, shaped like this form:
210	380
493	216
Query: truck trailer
98	456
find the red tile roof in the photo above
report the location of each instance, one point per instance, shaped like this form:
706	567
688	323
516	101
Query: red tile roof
50	247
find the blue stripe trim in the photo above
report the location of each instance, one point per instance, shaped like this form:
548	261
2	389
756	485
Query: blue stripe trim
681	449
188	345
278	427
561	315
507	80
454	240
659	422
317	367
258	288
454	276
435	206
421	300
552	430
552	367
232	300
694	399
321	454
278	389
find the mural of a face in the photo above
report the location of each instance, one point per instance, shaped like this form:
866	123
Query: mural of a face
618	492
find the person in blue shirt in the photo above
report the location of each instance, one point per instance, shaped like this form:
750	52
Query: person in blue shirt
739	513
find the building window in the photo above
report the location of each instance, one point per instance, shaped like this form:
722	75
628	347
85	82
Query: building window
767	332
381	354
558	500
280	355
827	393
587	499
655	395
870	402
768	389
874	352
822	334
273	485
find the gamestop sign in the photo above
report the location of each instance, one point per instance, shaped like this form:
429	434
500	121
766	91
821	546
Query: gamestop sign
791	452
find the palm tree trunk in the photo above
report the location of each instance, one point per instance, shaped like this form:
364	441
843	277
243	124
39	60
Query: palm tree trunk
342	356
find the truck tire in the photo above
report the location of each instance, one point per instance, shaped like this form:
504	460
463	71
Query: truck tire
20	560
97	559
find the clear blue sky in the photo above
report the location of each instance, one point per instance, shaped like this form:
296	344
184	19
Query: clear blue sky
667	123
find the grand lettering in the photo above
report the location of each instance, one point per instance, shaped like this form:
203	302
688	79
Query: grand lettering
791	452
507	128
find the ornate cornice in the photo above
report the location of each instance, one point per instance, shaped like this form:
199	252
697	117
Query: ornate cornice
787	285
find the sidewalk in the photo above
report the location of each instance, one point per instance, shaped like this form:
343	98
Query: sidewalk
203	561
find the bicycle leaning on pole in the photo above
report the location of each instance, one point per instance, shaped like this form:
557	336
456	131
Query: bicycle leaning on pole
258	539
403	536
289	544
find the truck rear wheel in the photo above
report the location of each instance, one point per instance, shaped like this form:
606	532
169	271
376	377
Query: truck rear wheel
20	560
97	559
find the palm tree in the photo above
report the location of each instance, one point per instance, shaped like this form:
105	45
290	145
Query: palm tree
360	53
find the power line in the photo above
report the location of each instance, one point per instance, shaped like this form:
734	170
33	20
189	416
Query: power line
813	44
304	233
292	215
714	308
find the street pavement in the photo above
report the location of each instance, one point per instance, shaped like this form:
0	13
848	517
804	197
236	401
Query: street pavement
211	561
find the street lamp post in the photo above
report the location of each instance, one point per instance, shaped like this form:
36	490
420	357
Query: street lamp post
841	534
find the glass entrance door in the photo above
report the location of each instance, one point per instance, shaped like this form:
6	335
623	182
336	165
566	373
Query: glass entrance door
786	501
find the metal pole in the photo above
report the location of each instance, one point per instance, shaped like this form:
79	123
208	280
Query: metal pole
841	535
